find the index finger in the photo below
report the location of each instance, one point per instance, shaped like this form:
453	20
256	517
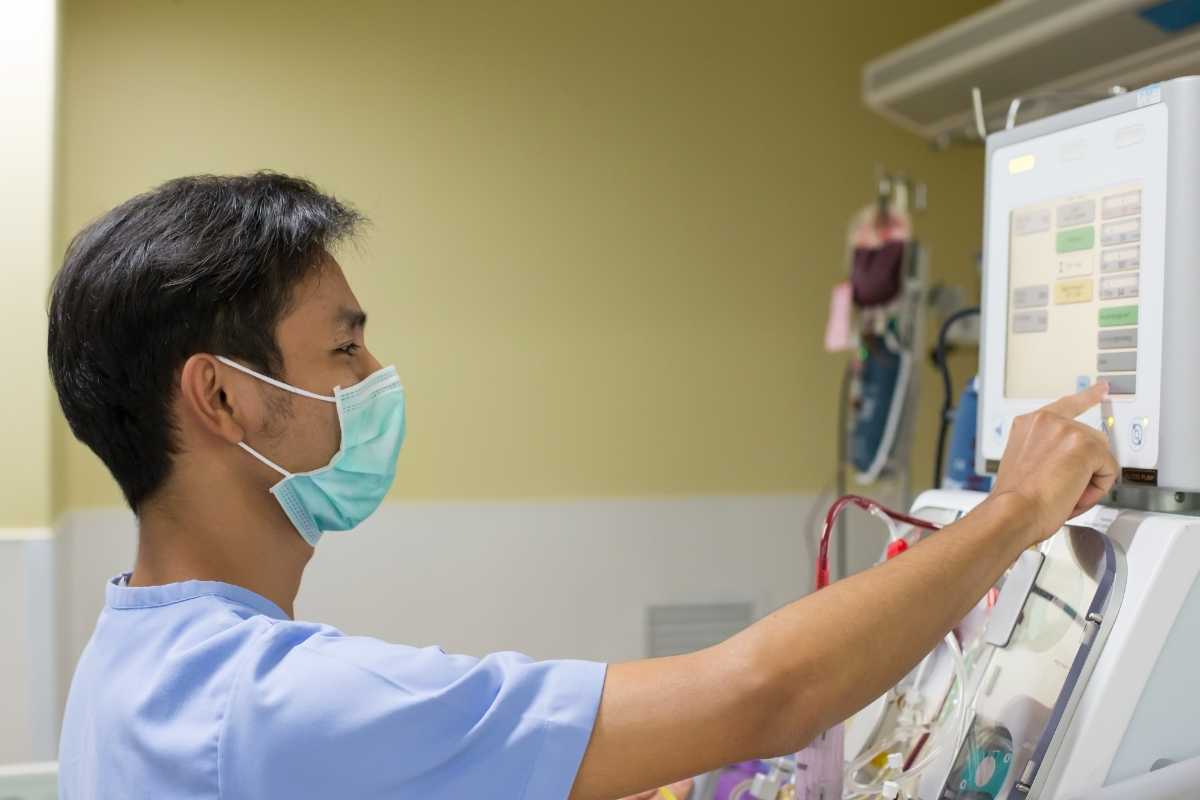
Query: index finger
1073	405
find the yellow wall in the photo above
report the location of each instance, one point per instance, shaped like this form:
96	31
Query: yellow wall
28	53
604	233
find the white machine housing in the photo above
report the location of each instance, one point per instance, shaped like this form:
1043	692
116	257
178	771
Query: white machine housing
1134	733
1091	240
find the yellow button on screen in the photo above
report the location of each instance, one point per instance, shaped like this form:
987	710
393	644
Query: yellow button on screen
1020	164
1079	291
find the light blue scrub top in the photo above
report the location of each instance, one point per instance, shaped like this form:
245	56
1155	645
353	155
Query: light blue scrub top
201	689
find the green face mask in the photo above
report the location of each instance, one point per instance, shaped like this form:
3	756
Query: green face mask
346	491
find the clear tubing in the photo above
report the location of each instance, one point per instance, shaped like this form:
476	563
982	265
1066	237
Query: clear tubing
924	666
855	788
892	527
822	576
858	789
960	672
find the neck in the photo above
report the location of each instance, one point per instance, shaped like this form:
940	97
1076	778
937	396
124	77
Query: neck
245	540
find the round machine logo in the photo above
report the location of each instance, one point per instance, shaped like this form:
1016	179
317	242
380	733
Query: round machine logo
1137	435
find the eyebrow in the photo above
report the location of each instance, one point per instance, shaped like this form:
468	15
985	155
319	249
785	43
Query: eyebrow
351	318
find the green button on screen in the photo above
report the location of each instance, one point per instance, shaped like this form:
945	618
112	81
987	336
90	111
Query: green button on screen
1076	239
1120	315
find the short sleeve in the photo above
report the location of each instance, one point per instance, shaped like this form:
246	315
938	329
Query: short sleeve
318	714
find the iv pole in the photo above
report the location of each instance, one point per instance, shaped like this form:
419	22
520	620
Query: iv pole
892	190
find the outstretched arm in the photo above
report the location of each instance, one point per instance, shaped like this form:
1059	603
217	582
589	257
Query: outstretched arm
772	688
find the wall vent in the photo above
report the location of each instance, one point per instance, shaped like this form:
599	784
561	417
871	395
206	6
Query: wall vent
672	630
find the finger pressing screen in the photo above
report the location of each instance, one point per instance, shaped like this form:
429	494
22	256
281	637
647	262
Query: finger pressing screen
1073	405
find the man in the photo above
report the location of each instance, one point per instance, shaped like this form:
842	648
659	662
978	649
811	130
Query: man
206	345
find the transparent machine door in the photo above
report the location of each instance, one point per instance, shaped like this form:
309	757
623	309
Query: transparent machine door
1041	642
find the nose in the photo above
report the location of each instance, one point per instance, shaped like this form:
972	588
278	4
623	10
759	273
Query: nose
372	364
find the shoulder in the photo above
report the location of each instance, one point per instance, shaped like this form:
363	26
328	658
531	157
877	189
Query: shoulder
307	660
313	707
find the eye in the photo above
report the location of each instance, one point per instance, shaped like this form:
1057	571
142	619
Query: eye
349	349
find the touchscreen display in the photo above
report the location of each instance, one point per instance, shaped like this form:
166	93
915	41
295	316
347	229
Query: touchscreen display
1074	264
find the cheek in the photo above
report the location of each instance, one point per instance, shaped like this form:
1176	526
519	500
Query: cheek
309	437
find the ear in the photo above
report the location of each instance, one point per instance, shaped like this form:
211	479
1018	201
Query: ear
219	400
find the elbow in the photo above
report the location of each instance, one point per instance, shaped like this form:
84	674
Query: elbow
784	704
790	726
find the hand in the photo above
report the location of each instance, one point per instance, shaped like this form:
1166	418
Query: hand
681	790
1059	466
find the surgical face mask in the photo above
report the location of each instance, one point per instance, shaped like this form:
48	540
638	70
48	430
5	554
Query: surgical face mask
351	486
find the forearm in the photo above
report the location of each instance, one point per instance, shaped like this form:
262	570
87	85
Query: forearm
832	652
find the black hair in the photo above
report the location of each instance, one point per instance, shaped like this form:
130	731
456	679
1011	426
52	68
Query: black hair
202	264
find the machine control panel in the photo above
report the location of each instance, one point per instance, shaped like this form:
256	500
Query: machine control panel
1074	275
1073	307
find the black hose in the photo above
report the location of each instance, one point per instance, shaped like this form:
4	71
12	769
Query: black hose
947	389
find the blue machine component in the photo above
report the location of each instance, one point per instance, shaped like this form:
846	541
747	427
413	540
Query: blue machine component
986	772
1172	16
960	466
883	382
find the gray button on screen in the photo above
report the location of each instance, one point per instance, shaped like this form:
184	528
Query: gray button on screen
1119	339
1129	203
1028	222
1121	232
1120	258
1117	362
1118	287
1077	213
1120	384
1030	321
1031	296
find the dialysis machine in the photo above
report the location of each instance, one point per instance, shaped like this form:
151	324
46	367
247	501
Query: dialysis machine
1080	676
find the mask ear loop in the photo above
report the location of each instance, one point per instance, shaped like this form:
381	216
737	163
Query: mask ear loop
277	384
264	459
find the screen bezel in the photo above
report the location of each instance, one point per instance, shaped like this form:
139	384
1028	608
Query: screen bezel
1077	159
